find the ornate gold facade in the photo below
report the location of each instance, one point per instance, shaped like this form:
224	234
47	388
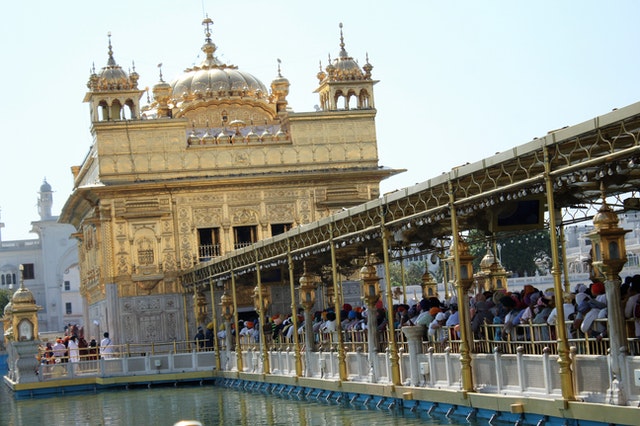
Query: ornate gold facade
214	163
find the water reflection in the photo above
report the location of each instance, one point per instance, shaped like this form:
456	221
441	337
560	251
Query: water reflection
210	405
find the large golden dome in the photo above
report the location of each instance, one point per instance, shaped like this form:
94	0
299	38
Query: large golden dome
215	80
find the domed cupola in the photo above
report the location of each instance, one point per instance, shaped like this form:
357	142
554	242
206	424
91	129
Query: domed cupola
23	296
214	81
113	93
112	76
45	200
344	84
346	68
45	187
488	259
280	90
162	96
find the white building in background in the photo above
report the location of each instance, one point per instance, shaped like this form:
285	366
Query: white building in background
50	267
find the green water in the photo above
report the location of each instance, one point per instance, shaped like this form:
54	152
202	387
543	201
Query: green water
210	405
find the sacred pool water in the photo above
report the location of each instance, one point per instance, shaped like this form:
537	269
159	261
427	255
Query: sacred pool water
210	405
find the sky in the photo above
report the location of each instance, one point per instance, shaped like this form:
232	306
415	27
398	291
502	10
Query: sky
458	80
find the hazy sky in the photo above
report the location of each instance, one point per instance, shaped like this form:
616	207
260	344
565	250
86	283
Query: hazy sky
459	80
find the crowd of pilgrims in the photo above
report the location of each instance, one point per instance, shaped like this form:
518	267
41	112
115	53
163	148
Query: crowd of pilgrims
73	347
503	311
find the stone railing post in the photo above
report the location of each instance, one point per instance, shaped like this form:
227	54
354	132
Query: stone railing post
414	343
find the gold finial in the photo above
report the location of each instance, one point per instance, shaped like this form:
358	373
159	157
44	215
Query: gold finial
341	37
207	22
111	61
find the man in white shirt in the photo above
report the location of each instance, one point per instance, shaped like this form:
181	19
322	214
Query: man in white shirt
106	347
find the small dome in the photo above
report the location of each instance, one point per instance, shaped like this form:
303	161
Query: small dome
45	187
223	137
344	67
488	260
252	137
8	309
605	218
208	138
112	76
193	139
23	297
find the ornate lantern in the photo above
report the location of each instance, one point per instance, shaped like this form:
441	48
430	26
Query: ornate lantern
429	285
257	293
200	301
466	264
608	246
226	302
370	281
307	290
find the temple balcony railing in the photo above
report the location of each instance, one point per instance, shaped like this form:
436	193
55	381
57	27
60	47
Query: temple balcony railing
208	251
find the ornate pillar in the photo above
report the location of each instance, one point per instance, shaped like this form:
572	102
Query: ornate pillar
226	303
393	346
214	321
307	293
186	319
261	302
342	358
294	313
564	360
463	270
236	319
370	290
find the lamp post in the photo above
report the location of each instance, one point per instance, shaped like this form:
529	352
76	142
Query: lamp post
226	303
608	257
200	306
307	295
370	290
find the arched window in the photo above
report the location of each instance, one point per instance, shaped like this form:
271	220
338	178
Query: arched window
340	100
363	100
129	110
351	94
103	111
145	251
116	110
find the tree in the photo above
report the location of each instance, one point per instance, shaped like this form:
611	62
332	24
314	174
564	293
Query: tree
522	254
5	297
413	271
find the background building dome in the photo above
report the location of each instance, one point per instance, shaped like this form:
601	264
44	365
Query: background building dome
45	187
